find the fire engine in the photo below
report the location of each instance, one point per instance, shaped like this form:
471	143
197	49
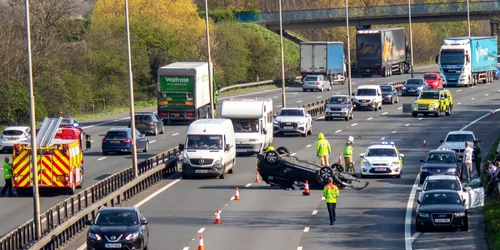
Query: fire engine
59	159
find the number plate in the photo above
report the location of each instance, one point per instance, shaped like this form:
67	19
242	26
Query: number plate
363	104
288	127
442	220
367	70
241	150
12	139
412	90
379	169
177	115
113	245
201	171
115	142
335	114
452	79
422	108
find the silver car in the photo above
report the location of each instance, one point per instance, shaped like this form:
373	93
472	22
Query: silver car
316	82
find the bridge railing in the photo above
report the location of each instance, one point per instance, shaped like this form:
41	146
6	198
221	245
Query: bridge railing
371	11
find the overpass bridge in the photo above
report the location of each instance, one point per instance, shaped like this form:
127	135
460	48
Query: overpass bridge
364	17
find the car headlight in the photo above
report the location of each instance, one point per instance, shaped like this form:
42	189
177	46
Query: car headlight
132	236
394	164
275	122
461	214
302	123
414	105
404	87
451	170
185	159
425	215
355	100
365	164
433	106
344	109
94	236
424	170
218	161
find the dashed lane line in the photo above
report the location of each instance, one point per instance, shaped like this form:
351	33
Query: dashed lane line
299	248
354	124
153	141
278	106
293	154
102	158
275	96
415	236
317	97
175	134
407	125
459	103
385	113
486	94
400	107
369	118
395	131
338	131
314	212
248	185
383	138
459	90
186	248
420	118
201	230
306	229
308	145
299	101
473	98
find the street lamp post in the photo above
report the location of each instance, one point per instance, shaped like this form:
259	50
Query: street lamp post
209	59
411	39
349	83
36	195
131	94
283	92
468	17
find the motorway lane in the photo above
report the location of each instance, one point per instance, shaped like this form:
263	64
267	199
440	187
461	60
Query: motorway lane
393	191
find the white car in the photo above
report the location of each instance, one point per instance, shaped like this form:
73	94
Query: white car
13	135
368	97
293	120
447	182
455	140
382	159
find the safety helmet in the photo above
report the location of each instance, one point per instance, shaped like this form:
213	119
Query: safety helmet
270	148
350	138
321	136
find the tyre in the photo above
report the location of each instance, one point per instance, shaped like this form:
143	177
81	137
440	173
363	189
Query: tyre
466	226
283	151
146	148
184	176
337	167
448	111
156	131
438	113
325	173
352	115
375	108
105	152
346	118
272	157
162	130
414	114
418	228
231	171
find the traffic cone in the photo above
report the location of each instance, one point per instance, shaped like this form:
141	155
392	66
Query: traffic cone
425	144
306	189
200	244
257	179
237	195
492	112
217	217
340	160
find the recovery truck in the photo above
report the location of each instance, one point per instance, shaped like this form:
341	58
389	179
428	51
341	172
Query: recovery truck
59	159
382	52
464	61
184	92
323	58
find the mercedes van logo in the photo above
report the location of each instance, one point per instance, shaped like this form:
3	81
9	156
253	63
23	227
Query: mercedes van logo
113	237
202	161
439	170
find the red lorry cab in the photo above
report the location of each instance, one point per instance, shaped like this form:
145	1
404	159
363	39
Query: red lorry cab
434	80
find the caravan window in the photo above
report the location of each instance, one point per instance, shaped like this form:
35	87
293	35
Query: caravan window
204	142
246	125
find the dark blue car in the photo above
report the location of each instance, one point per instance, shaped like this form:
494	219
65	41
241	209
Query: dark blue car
120	140
440	162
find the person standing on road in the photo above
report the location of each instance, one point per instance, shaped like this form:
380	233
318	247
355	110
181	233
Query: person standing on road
331	192
477	158
7	175
467	161
347	152
323	150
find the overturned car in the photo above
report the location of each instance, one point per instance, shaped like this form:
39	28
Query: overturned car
279	168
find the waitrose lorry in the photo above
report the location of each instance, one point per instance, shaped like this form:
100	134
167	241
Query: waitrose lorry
464	61
323	58
184	91
382	52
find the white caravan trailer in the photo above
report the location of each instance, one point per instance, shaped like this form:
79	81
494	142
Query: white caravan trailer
252	121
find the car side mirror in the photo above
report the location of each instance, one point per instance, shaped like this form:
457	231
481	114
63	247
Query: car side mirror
228	147
437	59
308	115
275	115
422	161
418	201
402	155
467	57
88	142
88	222
181	147
264	131
467	189
419	189
362	155
144	222
441	140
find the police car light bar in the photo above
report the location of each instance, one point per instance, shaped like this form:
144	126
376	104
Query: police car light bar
384	142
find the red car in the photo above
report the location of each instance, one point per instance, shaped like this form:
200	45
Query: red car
434	80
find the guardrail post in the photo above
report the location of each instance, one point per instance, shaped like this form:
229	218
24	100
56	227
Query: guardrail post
86	194
58	209
65	210
79	202
72	205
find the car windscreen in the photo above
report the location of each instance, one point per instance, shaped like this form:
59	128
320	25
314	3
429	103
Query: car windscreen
117	135
245	125
366	92
291	112
12	132
114	218
441	158
442	184
448	198
338	100
204	142
66	121
143	118
430	77
429	95
381	152
414	82
460	138
311	78
386	89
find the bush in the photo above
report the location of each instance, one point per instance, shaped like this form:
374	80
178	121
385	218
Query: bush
218	16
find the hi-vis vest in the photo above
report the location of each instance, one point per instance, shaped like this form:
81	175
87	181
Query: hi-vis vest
331	192
348	150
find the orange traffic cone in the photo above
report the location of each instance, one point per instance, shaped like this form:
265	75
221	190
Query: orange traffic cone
217	217
306	189
200	244
237	195
492	112
425	144
257	179
340	160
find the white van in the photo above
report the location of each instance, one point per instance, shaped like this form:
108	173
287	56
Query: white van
210	149
253	123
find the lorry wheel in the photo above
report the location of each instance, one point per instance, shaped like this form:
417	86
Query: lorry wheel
414	114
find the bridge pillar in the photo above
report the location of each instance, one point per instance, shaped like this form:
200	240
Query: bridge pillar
493	28
363	27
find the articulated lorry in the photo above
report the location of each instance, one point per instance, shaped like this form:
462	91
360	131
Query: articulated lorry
323	58
464	61
184	92
382	52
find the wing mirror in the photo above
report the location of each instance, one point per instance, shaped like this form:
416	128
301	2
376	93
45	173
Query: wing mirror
308	115
441	140
88	222
144	222
275	114
418	201
402	155
228	147
181	147
88	142
467	189
422	161
362	155
264	131
419	189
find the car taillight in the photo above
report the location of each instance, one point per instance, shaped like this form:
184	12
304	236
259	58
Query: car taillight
150	123
127	141
190	114
104	140
318	83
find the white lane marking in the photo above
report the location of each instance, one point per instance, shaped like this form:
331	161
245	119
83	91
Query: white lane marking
371	80
299	248
409	211
369	118
103	123
319	118
306	229
478	119
153	141
407	125
395	131
314	212
201	230
140	203
295	93
299	101
473	87
486	94
102	158
472	99
459	103
308	145
248	185
415	236
175	134
91	140
459	90
319	97
385	113
354	124
338	93
400	107
232	198
278	106
338	131
275	96
383	138
293	154
420	118
322	198
186	248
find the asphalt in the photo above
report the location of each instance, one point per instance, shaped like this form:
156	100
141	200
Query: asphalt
373	218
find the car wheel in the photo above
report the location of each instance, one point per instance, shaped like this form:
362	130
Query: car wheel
184	176
327	118
337	167
398	176
231	171
156	131
414	114
448	111
418	227
375	108
438	113
272	157
346	118
162	130
466	225
304	90
146	148
283	151
105	152
352	115
325	173
303	134
311	130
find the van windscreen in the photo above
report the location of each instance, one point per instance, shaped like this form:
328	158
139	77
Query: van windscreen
204	142
245	125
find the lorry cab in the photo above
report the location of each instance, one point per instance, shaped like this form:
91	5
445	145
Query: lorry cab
253	128
209	149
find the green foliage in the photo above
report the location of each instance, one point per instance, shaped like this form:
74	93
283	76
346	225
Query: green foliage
218	16
492	209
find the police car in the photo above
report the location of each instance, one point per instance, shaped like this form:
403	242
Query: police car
382	159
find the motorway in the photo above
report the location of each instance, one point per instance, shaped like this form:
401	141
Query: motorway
268	218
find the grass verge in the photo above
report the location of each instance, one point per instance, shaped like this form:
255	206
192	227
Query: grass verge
492	209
